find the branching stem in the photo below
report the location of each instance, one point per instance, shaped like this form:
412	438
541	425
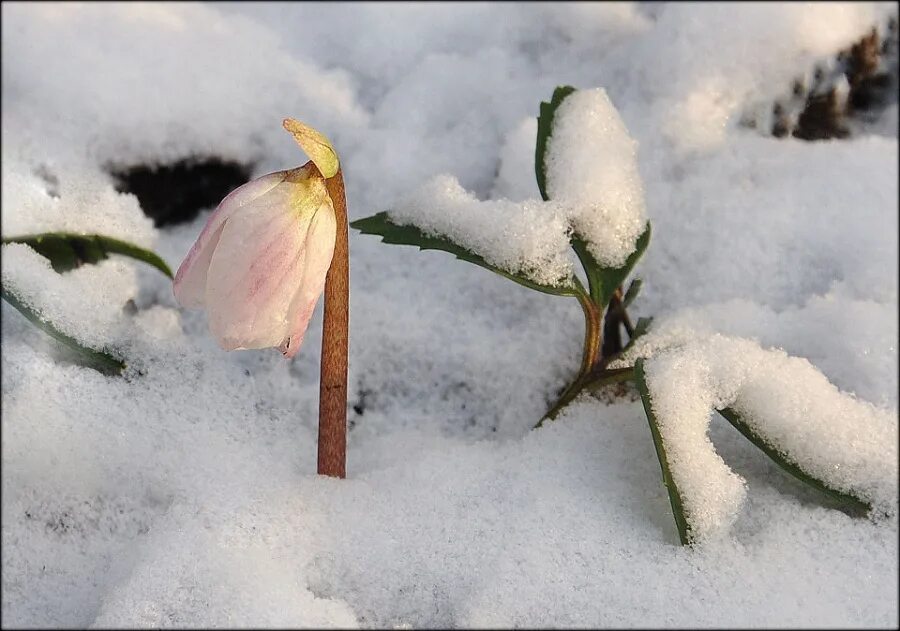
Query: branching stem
595	357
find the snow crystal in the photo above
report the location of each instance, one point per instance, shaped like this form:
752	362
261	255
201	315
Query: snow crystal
529	238
591	166
592	180
849	444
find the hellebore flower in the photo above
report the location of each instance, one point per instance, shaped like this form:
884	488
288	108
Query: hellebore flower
259	265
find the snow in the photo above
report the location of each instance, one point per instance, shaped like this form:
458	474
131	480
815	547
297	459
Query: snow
591	164
184	494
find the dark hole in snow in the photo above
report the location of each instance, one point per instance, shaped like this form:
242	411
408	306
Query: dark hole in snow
176	192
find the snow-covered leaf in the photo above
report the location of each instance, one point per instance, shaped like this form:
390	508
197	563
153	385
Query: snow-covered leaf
67	251
381	225
544	131
88	357
684	533
784	460
603	281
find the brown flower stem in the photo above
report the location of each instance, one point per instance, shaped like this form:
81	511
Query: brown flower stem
333	377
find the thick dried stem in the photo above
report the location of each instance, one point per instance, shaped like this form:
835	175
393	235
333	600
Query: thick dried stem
333	377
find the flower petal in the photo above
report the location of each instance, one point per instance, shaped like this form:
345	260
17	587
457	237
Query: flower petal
315	145
257	267
319	250
190	279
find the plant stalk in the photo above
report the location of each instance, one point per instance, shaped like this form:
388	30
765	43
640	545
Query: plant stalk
332	456
593	335
590	356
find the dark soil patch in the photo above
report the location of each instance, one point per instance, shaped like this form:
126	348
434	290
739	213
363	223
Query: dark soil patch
176	192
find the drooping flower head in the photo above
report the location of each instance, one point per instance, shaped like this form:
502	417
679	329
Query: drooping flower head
259	265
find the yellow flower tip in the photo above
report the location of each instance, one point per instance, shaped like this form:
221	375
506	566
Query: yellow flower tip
315	145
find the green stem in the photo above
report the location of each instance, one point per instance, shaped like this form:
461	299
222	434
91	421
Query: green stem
565	399
590	354
591	381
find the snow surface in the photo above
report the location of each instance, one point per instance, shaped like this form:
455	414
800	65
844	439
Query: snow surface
185	494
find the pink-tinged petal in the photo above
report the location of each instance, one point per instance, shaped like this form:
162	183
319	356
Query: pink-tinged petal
257	267
290	346
190	279
254	189
318	252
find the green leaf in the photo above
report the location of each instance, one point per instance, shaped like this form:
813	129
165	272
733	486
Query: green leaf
67	251
603	281
684	530
849	502
544	131
633	290
390	232
98	360
643	324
